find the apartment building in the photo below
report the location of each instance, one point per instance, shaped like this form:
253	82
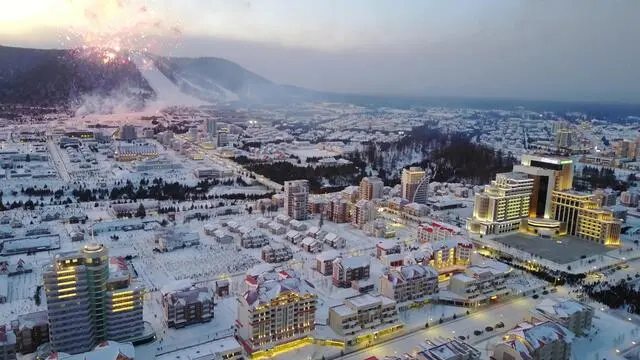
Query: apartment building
337	210
187	305
362	313
347	270
410	282
276	253
32	330
436	231
482	282
8	348
629	199
324	261
275	312
387	247
415	185
363	212
296	196
535	341
90	299
446	349
371	188
334	240
572	314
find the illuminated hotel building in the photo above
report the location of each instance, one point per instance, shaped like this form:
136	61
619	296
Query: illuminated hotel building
502	205
86	306
549	175
415	184
276	312
584	218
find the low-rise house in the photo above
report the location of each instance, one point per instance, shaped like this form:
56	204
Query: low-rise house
447	349
254	240
32	330
387	247
222	236
276	253
294	236
334	240
297	225
283	219
177	239
481	283
311	245
277	228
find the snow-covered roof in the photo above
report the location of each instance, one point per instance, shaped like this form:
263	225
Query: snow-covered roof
328	255
189	296
387	244
308	241
560	308
33	319
268	290
354	262
527	337
107	350
178	285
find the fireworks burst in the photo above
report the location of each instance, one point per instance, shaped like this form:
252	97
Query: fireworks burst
112	30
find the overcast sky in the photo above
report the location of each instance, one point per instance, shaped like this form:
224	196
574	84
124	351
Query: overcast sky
534	49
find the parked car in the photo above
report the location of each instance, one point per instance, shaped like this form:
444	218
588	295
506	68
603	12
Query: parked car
477	332
535	296
499	325
488	328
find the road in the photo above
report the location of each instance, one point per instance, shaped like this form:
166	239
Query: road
240	170
58	162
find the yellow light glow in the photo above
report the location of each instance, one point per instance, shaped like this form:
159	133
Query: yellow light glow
66	296
67	283
123	309
67	277
67	290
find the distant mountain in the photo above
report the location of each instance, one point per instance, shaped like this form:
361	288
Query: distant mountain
67	78
80	80
215	79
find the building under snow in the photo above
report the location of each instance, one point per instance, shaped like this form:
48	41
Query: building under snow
572	314
535	341
185	304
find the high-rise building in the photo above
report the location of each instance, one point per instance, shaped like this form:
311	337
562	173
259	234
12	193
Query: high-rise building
128	133
564	138
275	312
222	139
86	305
296	196
363	212
549	174
502	205
626	149
535	341
415	185
212	126
371	188
584	218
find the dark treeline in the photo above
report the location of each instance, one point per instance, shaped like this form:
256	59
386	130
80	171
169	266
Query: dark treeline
622	294
283	171
591	178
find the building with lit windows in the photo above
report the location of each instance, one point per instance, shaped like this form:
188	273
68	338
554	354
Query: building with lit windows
481	283
363	313
549	174
436	231
584	218
410	282
371	188
446	256
185	304
89	300
502	205
274	313
296	196
415	185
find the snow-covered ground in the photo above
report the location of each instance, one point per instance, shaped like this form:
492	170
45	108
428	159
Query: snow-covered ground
168	94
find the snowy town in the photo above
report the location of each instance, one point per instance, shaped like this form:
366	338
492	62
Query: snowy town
178	236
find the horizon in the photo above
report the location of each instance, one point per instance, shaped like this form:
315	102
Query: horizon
574	51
